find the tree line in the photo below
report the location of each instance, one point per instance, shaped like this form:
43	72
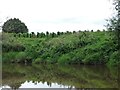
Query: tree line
48	34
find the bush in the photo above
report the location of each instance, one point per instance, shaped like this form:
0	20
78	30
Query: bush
64	59
93	59
9	57
9	47
20	57
114	59
78	57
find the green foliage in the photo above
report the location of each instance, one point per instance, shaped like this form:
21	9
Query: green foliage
20	57
16	57
9	57
114	22
114	59
8	47
37	61
64	59
38	34
73	48
14	26
10	44
95	58
47	33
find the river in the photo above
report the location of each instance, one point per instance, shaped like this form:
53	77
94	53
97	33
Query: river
69	77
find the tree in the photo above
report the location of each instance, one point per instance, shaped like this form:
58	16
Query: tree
42	35
14	26
58	33
118	22
38	34
47	33
114	23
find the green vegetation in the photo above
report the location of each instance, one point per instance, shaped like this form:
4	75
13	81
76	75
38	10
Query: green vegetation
14	26
62	48
114	25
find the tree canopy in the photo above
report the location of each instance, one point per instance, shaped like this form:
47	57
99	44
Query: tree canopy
14	26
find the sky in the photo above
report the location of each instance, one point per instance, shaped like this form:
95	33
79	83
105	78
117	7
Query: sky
57	15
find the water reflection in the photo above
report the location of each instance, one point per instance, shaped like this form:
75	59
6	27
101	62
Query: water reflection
42	85
56	76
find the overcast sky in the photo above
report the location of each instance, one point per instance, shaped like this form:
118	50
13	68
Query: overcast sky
57	15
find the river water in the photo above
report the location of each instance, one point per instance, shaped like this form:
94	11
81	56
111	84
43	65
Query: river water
16	76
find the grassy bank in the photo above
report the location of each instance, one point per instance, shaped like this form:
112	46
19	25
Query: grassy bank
64	48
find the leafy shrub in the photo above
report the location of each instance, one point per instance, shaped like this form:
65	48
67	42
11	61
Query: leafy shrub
9	57
93	59
20	57
9	47
114	59
64	59
78	56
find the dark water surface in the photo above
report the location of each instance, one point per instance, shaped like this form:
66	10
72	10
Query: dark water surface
17	76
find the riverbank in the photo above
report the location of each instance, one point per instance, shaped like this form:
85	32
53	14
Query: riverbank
63	48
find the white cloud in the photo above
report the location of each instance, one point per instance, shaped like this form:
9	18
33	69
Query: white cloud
54	15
